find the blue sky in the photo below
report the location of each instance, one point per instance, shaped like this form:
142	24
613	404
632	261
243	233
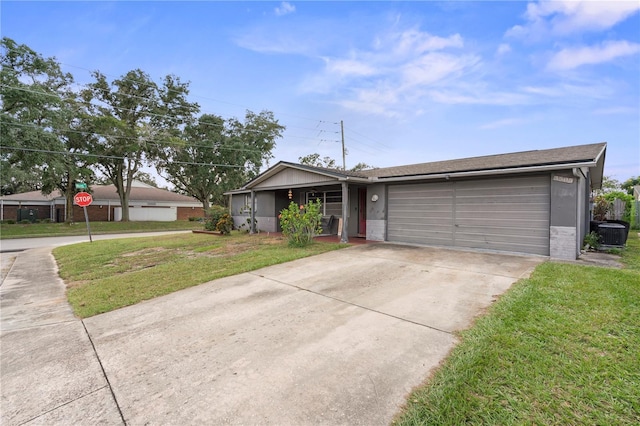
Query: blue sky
412	81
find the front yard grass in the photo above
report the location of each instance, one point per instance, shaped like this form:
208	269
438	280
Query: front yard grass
107	275
561	347
32	230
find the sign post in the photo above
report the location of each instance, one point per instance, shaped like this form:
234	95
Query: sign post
84	199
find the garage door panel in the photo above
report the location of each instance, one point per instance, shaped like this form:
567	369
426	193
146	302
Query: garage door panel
471	190
504	214
507	230
509	214
432	224
432	240
497	217
499	237
506	203
498	208
510	247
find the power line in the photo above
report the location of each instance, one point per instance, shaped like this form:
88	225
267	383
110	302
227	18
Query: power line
113	157
186	143
123	78
177	78
148	113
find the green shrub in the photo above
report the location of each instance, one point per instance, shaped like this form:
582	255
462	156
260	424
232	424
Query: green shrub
225	224
47	220
25	222
301	223
214	214
10	222
592	240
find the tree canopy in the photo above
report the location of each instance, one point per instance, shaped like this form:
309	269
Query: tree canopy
43	147
55	132
233	151
329	163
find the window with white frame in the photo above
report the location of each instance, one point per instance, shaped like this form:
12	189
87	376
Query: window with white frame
331	201
247	204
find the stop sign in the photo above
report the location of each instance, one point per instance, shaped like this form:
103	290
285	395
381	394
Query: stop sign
83	199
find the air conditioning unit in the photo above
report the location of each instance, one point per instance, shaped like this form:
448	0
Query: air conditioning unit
612	234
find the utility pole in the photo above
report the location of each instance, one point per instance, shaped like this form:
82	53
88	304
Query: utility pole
344	155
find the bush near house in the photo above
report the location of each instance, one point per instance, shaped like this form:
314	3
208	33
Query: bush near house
301	223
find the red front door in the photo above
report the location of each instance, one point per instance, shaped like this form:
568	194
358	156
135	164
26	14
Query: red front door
362	212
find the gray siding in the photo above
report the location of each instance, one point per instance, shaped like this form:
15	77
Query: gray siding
510	214
293	177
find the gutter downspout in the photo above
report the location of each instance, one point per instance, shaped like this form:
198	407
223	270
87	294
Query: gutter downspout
580	225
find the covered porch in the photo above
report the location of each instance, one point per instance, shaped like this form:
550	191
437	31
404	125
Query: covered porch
257	205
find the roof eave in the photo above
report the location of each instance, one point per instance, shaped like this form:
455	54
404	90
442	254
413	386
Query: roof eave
512	170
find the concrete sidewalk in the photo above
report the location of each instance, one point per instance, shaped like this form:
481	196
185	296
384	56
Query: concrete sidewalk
49	371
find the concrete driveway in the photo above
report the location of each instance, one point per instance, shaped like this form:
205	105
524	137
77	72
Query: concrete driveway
338	338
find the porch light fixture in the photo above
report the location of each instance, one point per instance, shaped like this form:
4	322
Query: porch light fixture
290	194
374	198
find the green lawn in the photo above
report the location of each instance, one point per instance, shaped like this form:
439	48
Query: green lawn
8	231
106	275
562	347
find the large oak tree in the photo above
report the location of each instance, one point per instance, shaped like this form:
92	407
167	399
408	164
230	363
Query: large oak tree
131	119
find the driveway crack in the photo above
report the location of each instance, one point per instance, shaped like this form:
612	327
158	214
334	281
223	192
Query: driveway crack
104	373
355	304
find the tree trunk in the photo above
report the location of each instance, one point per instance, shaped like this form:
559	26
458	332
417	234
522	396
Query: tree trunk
69	208
205	206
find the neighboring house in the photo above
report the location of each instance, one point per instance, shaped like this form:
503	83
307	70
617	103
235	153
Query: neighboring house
636	193
534	202
146	203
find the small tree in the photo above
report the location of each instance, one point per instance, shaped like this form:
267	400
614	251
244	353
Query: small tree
301	224
600	208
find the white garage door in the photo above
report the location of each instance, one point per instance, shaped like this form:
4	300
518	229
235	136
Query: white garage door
510	214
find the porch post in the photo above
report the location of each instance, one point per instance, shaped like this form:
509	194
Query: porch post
344	238
252	210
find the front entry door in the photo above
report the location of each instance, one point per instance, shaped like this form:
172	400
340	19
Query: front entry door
362	212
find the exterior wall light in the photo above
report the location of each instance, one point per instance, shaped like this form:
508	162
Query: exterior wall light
374	198
290	194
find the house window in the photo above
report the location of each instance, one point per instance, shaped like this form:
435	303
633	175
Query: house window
331	201
246	208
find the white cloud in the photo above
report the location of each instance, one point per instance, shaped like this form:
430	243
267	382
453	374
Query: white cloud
503	49
395	73
503	123
433	67
413	42
572	93
285	8
571	58
478	96
572	16
349	67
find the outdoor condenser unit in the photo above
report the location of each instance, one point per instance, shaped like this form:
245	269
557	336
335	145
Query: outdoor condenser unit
612	234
